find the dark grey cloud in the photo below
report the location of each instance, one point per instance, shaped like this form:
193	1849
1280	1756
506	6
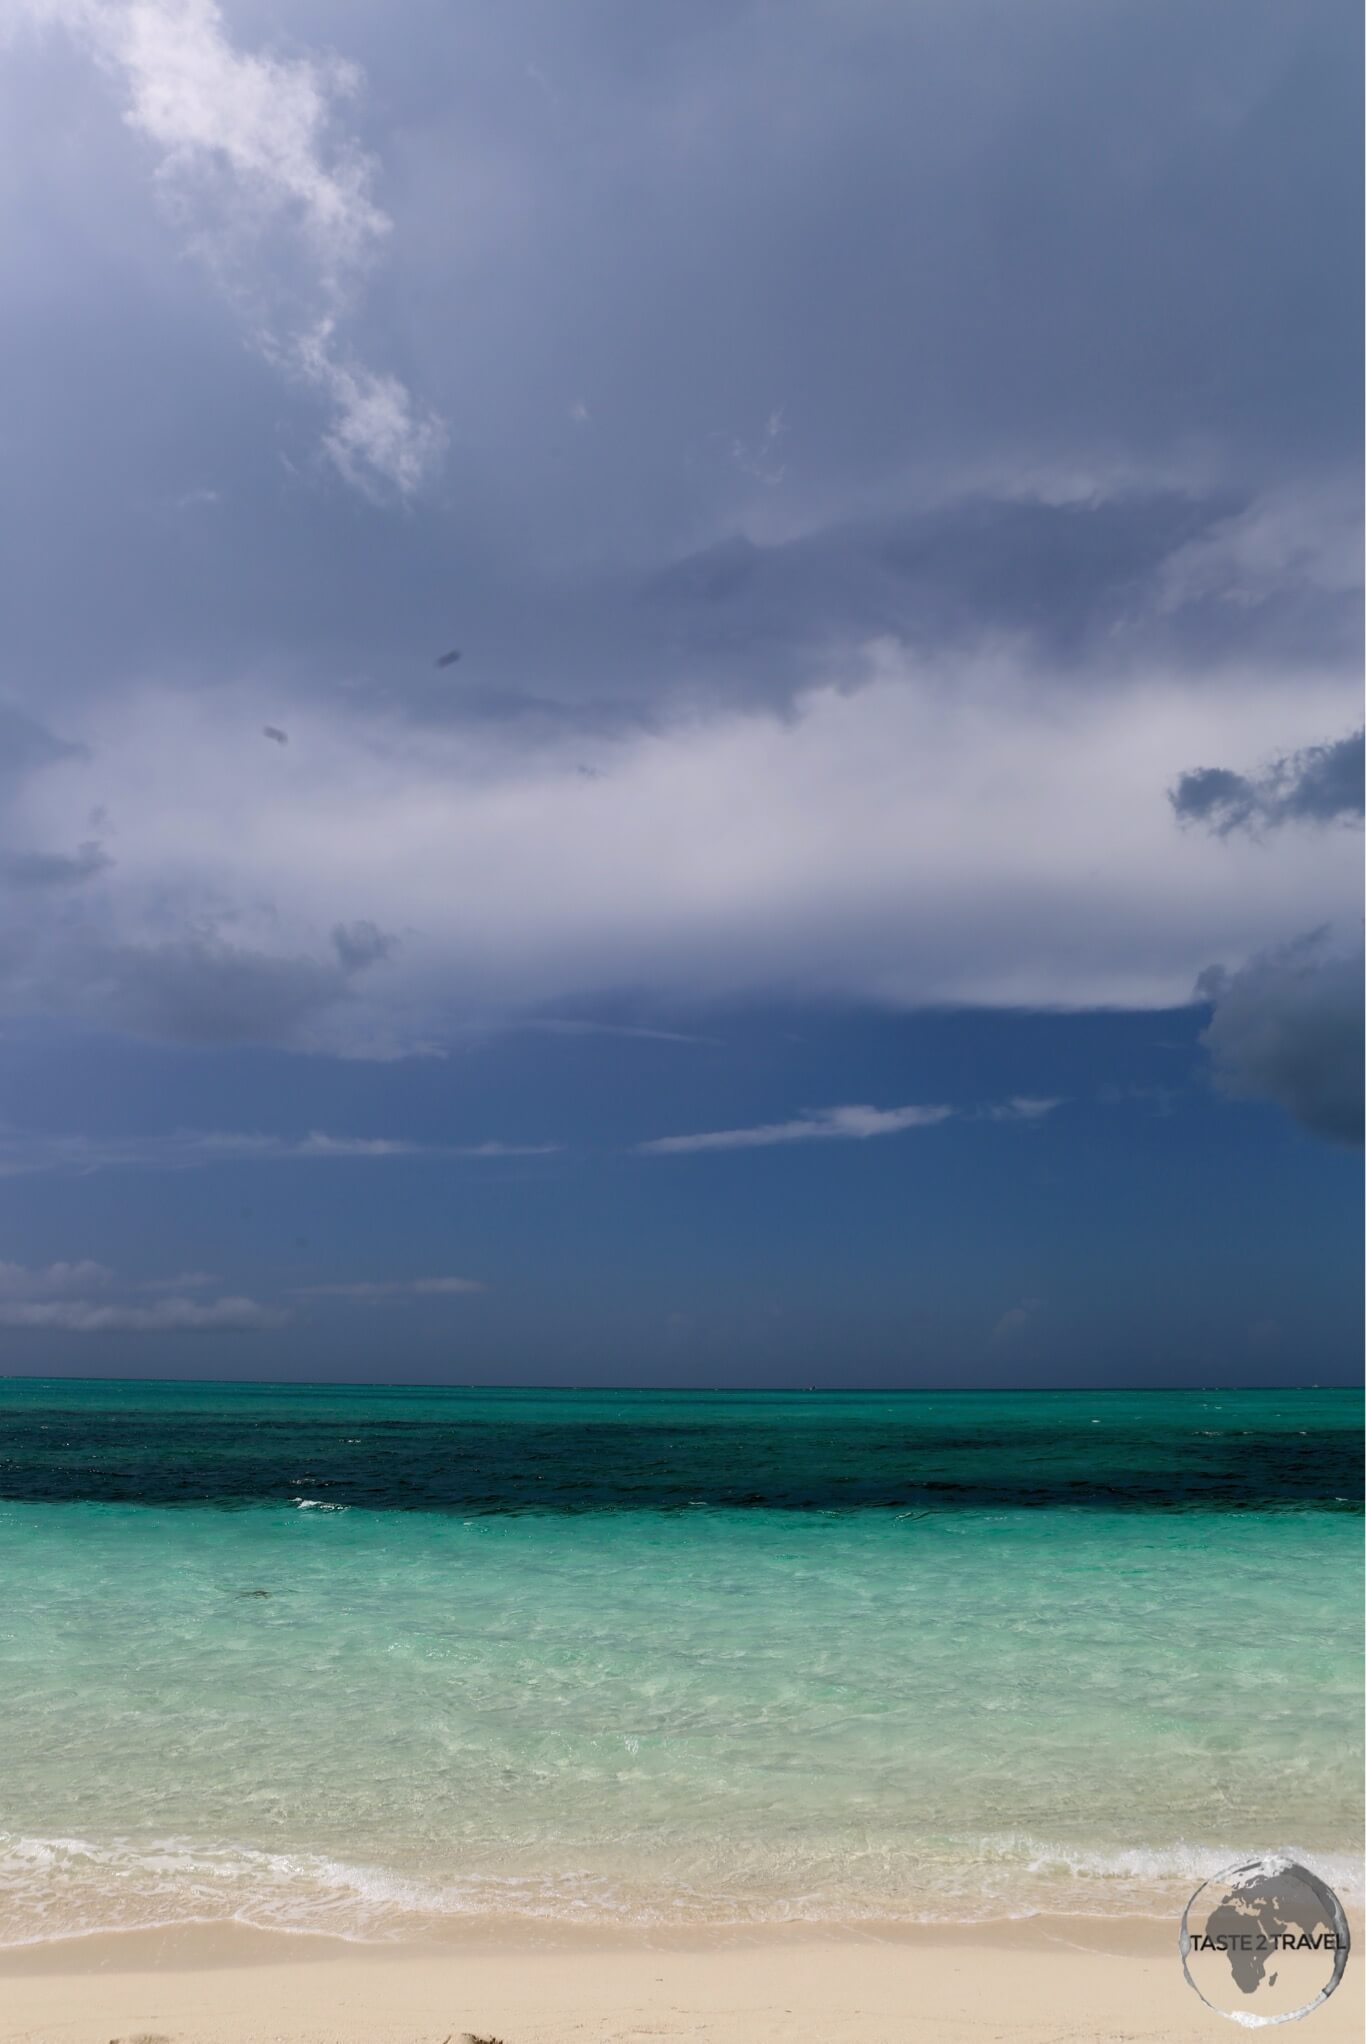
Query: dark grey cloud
753	331
54	869
204	990
1087	586
1288	1028
1318	784
26	744
195	989
757	337
198	986
360	944
1326	781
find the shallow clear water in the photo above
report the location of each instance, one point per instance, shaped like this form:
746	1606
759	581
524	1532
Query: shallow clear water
666	1658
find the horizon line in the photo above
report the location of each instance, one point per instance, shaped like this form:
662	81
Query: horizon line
698	1390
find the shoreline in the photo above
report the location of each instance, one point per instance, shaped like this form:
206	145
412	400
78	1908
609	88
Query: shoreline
218	1944
1031	1981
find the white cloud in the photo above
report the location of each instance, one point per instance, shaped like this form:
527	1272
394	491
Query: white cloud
1024	1107
817	1124
377	430
272	198
54	1279
22	1152
971	835
496	1149
58	1296
553	1025
393	1288
316	1144
166	1316
1308	532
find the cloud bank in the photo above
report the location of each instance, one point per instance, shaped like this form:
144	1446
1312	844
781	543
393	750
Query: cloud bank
932	835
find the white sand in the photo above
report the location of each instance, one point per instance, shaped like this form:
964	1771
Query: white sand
1050	1980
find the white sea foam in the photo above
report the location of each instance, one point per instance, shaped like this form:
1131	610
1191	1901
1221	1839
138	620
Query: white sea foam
52	1888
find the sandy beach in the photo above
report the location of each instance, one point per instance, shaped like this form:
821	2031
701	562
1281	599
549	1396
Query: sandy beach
1088	1981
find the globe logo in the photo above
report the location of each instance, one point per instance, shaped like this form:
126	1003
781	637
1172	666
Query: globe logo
1265	1942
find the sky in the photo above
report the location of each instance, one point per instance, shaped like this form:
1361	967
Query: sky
877	897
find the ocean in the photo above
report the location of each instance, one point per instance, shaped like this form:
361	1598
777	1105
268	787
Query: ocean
407	1662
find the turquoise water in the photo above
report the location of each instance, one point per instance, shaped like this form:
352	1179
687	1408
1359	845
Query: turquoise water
667	1659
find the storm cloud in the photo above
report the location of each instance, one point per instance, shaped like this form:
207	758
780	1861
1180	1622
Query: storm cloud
1288	1028
196	989
891	476
854	491
1321	784
672	282
54	869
